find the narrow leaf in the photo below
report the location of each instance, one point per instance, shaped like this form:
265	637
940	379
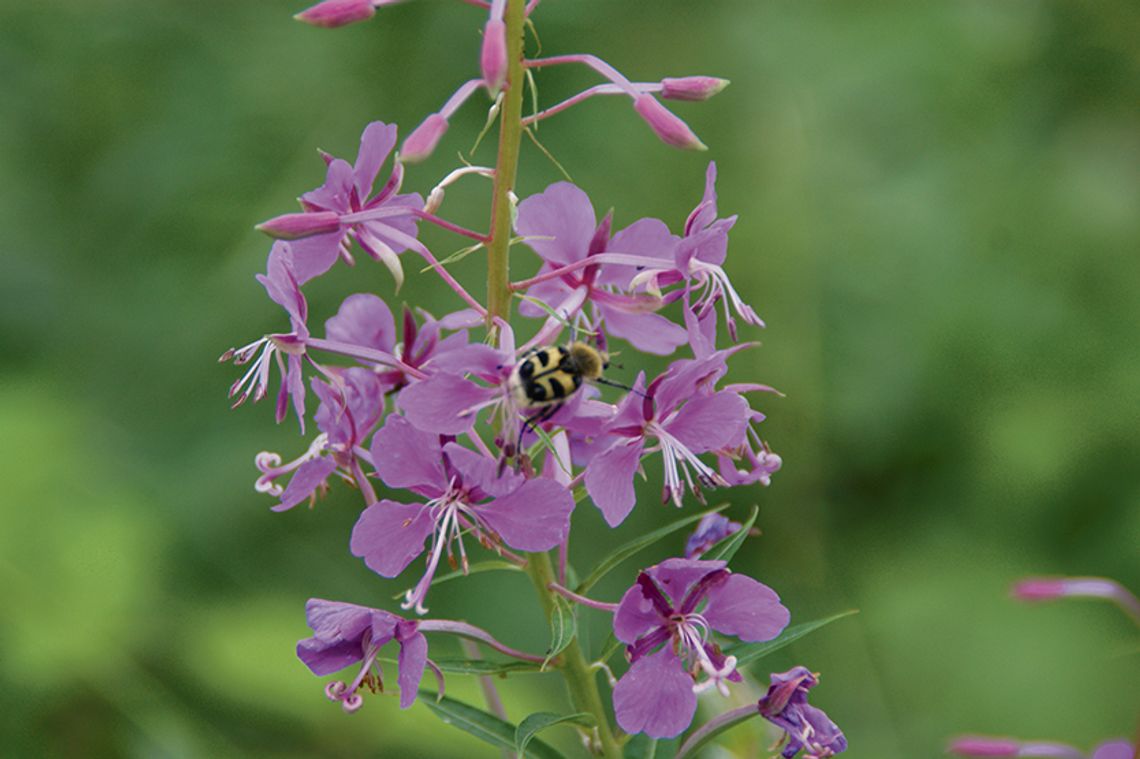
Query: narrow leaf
714	727
482	725
746	653
491	565
727	548
563	628
530	726
629	549
459	666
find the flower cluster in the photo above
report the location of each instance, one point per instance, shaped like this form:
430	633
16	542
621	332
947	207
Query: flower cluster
483	432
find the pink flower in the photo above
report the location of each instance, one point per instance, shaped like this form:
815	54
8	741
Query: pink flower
666	619
383	224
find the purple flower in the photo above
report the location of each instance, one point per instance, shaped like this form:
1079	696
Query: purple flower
807	728
712	529
980	745
464	492
365	321
347	413
684	419
666	619
561	227
287	349
344	634
383	224
699	258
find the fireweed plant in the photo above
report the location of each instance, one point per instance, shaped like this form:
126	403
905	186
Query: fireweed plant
491	463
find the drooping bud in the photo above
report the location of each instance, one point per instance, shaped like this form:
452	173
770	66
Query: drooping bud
493	58
291	226
334	13
422	141
692	87
670	129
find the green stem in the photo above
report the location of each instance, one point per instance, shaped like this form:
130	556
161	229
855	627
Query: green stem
506	168
581	681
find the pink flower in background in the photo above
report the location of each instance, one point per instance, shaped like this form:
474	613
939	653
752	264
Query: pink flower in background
979	745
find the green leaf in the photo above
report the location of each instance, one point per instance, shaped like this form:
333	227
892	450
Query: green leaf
705	735
640	746
629	549
530	726
727	548
613	645
491	565
484	726
459	666
563	628
746	653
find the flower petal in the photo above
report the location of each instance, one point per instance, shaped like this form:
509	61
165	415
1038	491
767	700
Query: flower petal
710	422
676	576
1114	750
635	616
389	535
644	237
648	332
536	517
308	477
407	457
376	142
363	319
411	662
748	609
336	642
609	480
444	403
314	255
479	472
655	696
559	223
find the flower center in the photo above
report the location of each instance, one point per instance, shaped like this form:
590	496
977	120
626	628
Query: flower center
690	636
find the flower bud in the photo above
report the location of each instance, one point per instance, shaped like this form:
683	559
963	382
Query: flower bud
333	13
665	125
493	58
422	141
692	87
982	746
294	225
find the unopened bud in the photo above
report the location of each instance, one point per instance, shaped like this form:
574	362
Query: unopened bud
493	58
294	225
670	129
333	13
691	87
422	141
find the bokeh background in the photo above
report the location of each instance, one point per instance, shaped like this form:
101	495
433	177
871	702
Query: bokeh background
938	220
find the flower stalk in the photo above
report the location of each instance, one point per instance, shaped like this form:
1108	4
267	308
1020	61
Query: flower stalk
506	168
580	679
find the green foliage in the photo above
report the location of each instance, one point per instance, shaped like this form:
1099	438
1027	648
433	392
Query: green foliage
626	550
539	721
746	653
487	727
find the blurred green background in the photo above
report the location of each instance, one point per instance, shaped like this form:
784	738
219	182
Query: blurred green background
939	222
